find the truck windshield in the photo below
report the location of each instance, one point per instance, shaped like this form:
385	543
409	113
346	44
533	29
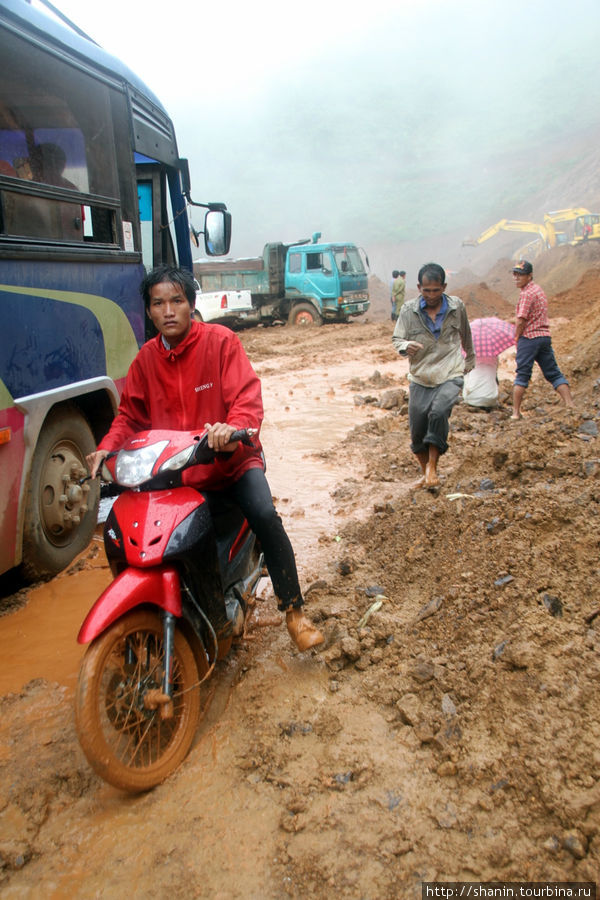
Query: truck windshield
348	260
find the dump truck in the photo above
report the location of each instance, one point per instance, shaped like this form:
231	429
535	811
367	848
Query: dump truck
305	283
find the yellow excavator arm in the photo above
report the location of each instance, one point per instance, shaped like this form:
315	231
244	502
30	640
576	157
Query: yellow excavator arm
586	227
509	225
565	215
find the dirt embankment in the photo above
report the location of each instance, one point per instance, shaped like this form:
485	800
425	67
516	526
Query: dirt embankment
450	728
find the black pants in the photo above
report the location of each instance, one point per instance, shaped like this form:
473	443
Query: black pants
253	496
429	410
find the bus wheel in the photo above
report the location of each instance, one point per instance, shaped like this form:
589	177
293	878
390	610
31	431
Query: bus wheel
304	314
60	513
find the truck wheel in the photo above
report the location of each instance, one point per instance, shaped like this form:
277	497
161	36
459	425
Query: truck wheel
304	314
60	513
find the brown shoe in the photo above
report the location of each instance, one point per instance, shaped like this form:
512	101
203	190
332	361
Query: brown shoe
302	631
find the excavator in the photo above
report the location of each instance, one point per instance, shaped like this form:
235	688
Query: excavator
587	225
587	228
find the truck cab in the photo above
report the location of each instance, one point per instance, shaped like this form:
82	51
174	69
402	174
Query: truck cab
325	281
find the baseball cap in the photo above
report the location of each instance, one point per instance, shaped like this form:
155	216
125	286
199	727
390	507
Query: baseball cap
523	267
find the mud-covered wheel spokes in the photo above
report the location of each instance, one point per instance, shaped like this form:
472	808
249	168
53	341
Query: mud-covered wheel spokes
141	736
130	743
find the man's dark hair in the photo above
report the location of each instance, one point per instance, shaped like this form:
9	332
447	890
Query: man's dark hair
402	272
432	272
181	277
395	273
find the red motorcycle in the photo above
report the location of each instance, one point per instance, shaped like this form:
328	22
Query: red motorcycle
186	566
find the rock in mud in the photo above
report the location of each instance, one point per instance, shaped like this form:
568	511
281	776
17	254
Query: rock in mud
409	708
447	817
552	844
346	566
448	707
424	732
519	655
575	843
392	399
446	769
423	671
553	605
494	527
429	609
588	428
503	580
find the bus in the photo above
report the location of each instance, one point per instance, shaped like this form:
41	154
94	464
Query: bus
92	193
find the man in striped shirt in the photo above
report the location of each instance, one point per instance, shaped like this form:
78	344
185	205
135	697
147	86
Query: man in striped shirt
532	336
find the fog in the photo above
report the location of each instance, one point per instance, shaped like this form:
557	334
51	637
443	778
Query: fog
393	125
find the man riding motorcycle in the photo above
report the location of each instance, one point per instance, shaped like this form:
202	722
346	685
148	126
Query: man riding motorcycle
194	375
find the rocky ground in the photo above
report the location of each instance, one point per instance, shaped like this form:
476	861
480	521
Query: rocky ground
450	728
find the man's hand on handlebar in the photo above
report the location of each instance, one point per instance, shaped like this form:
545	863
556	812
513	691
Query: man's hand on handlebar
218	436
95	460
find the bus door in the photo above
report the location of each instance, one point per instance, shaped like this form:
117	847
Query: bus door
155	214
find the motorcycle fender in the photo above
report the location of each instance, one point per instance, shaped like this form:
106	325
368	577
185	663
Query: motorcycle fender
133	587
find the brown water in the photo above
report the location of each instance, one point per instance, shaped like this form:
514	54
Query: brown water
304	415
40	640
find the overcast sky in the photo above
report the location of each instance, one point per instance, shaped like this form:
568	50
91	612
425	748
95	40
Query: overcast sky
425	83
230	48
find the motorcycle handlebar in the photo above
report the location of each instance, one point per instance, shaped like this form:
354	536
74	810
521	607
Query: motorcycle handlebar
204	454
244	435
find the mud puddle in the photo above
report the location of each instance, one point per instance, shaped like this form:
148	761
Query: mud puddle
305	414
40	640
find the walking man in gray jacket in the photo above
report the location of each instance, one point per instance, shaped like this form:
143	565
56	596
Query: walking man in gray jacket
430	331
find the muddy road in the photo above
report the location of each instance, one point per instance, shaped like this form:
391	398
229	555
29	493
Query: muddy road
452	732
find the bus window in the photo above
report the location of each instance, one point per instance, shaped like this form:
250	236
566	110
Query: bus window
33	217
60	132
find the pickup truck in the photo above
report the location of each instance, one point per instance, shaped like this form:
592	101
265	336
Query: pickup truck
231	308
304	283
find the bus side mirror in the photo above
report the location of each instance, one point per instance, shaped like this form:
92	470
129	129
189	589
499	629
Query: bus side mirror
217	232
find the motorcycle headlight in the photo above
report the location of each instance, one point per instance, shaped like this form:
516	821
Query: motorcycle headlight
134	467
179	460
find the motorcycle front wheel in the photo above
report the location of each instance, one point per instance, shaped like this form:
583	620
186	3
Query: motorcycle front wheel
130	745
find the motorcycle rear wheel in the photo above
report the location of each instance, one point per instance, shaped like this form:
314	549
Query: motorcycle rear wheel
128	745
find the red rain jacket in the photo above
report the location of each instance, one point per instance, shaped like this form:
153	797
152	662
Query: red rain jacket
206	378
